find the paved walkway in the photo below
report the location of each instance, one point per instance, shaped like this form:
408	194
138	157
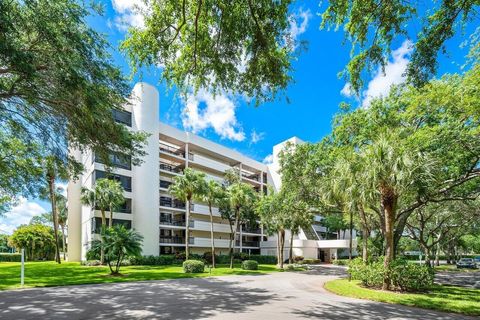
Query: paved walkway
275	296
456	278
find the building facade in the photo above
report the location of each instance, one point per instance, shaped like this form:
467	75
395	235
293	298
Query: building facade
156	214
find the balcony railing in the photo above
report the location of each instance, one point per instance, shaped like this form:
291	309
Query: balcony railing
165	184
172	150
170	168
172	203
250	176
248	243
175	240
179	223
251	230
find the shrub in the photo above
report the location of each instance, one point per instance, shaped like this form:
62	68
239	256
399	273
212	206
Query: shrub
309	261
90	263
263	259
180	256
193	266
94	252
294	267
250	265
403	276
340	262
207	257
10	257
161	260
298	258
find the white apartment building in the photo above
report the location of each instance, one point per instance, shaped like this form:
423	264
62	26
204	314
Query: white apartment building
156	214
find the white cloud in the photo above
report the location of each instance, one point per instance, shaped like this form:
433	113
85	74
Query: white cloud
203	111
128	13
347	90
299	23
256	136
20	214
268	159
394	73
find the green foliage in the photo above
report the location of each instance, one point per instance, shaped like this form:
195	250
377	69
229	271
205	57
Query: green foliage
36	239
263	259
239	46
249	265
162	260
470	243
58	88
340	262
402	275
4	247
372	26
94	252
309	261
193	266
10	257
119	243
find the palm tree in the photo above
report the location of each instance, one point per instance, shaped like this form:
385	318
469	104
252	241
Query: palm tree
211	193
62	219
185	188
118	243
241	197
104	196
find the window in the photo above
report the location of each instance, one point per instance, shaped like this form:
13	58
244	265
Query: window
117	160
97	223
122	116
126	182
126	207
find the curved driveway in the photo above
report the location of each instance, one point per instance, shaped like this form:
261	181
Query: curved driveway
275	296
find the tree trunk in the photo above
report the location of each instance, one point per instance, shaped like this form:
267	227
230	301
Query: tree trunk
63	241
290	255
235	227
104	224
388	203
278	248
51	185
211	235
350	242
110	223
187	230
365	245
282	245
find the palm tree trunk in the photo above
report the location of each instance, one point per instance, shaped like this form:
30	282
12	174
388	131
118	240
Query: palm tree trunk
51	185
282	245
104	223
290	255
365	245
187	230
350	242
110	223
388	202
63	241
237	218
211	235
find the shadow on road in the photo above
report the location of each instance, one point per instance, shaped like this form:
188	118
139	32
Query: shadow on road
183	299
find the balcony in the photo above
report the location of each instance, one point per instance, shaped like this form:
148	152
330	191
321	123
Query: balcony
171	168
255	230
179	223
205	226
172	150
172	203
251	176
173	240
254	244
165	184
205	242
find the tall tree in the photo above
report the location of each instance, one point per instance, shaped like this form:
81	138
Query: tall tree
242	46
62	215
241	199
37	240
58	88
185	188
212	194
106	195
372	26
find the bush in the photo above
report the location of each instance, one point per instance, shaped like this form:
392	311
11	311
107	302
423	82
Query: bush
180	256
250	265
263	259
94	252
10	257
193	266
340	262
298	258
91	263
309	261
207	257
162	260
403	276
294	267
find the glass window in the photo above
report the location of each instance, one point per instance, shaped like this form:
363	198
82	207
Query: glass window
126	182
122	116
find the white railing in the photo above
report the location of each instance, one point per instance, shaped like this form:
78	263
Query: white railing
205	242
205	226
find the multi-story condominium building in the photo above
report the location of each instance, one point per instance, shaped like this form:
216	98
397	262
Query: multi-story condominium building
156	214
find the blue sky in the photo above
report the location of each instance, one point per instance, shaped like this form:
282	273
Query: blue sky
314	95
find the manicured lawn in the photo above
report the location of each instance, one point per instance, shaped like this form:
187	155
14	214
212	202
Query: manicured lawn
442	298
41	274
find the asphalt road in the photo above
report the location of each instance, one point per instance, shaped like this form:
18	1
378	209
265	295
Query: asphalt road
275	296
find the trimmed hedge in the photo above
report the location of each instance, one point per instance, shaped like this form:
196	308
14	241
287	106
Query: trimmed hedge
193	266
10	257
263	259
250	265
340	262
161	260
403	276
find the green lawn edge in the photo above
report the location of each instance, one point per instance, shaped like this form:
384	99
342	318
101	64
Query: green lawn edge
440	298
50	274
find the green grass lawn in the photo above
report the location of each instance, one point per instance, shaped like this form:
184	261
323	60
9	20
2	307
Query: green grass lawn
442	298
41	274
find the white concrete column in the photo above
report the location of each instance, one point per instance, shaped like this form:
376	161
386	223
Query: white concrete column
146	177
74	221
